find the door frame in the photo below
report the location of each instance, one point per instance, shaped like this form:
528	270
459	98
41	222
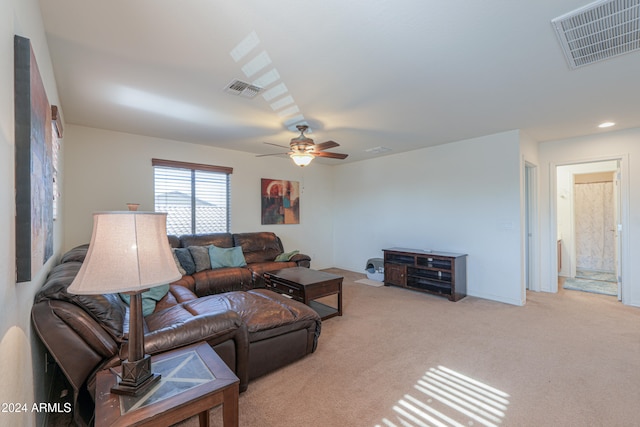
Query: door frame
623	160
531	245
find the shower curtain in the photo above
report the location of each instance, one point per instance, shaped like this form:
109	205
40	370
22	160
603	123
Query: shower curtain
594	225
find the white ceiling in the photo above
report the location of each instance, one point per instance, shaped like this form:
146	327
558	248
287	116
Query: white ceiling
402	74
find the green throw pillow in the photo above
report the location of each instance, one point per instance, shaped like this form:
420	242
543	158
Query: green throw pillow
226	257
149	298
286	256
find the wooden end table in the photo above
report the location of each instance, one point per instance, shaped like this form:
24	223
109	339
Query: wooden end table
306	285
194	380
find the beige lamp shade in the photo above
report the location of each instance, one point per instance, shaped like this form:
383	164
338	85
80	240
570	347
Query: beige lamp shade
129	251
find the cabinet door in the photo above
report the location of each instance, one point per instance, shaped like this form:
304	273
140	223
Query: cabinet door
395	274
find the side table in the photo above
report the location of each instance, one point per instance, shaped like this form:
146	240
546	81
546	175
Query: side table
194	380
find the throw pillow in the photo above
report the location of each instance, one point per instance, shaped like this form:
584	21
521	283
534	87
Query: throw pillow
286	256
200	256
177	261
149	298
186	260
226	257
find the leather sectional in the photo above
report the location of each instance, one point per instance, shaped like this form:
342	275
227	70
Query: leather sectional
254	330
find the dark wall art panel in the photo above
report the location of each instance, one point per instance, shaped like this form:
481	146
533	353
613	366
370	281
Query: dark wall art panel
34	165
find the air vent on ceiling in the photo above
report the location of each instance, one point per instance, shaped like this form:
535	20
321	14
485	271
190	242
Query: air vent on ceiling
377	150
244	89
599	31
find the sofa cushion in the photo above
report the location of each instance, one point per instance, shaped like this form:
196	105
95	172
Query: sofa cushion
186	260
226	279
226	257
200	255
108	309
77	254
262	311
258	247
180	325
176	295
221	240
177	261
174	241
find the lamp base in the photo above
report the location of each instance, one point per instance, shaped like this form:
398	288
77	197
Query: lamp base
136	377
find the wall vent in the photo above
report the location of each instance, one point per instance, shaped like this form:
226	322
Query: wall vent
598	31
244	89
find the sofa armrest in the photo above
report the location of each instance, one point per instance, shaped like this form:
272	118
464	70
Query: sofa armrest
76	341
210	327
301	260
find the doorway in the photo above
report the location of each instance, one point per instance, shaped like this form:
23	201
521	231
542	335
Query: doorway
588	218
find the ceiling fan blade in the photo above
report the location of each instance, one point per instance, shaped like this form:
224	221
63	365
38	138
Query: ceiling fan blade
278	145
326	145
330	155
272	154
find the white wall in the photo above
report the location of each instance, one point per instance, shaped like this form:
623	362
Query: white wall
623	144
21	354
105	170
460	197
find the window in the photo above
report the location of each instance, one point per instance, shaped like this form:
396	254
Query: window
194	196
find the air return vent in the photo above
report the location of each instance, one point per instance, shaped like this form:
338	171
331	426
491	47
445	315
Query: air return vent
599	31
244	89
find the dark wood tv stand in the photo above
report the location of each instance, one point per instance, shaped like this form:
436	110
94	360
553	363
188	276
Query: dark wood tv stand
440	273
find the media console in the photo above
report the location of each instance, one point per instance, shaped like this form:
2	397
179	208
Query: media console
440	273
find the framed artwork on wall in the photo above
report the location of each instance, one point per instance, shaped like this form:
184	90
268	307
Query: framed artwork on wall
33	164
280	201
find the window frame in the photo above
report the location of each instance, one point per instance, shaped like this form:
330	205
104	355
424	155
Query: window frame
193	168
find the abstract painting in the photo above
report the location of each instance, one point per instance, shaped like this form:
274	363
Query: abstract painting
280	201
34	165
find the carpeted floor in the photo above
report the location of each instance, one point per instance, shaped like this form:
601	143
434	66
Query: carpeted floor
403	358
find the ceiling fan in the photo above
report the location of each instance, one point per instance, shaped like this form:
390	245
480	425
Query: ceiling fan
303	149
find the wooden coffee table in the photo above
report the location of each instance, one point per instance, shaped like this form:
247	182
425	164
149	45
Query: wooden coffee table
307	285
194	380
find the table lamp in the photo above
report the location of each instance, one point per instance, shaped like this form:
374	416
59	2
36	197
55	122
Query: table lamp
129	253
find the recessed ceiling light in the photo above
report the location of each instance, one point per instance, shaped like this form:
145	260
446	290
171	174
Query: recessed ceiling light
378	150
606	125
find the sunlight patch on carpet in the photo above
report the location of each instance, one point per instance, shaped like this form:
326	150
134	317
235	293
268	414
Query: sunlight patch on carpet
448	398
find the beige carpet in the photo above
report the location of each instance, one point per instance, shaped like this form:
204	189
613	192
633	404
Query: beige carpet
401	358
370	282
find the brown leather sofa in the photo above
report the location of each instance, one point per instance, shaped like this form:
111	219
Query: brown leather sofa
259	249
255	331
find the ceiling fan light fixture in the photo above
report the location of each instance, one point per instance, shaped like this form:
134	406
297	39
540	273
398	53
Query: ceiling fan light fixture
301	159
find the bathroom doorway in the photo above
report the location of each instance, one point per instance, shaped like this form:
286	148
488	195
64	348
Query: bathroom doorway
588	219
